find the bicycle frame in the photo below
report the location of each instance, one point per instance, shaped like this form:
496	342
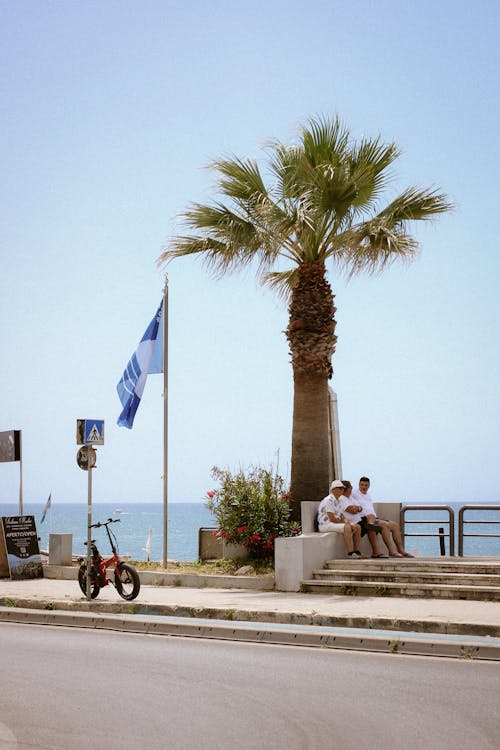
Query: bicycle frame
102	563
126	579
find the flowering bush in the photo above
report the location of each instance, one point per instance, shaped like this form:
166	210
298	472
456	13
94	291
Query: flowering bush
251	509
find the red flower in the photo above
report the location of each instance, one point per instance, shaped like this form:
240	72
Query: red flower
210	493
241	529
214	533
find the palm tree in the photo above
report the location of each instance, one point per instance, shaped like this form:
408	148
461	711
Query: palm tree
321	205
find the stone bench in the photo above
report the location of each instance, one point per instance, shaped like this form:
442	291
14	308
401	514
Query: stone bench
296	557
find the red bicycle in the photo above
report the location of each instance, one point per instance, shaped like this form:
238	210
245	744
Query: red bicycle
126	578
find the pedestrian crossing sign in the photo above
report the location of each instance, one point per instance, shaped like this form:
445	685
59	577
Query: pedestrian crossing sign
90	432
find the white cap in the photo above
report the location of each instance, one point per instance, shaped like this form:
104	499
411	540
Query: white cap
337	485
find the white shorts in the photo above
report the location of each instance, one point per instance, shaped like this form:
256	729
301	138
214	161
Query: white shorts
331	526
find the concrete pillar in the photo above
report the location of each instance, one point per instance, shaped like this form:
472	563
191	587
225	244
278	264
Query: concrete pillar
60	549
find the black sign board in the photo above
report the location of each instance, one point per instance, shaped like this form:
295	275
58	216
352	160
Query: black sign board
21	544
10	446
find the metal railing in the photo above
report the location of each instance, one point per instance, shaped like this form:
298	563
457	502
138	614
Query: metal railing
439	534
464	521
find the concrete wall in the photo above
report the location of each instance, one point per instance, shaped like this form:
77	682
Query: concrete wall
212	548
209	547
296	557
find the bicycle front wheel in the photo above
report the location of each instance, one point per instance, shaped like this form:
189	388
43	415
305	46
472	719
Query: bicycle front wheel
82	580
127	581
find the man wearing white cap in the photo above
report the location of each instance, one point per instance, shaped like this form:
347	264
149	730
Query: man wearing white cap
330	518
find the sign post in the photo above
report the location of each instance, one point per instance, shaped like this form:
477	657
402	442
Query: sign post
89	527
89	432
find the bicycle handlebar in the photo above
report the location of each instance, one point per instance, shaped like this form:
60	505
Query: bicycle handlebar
100	523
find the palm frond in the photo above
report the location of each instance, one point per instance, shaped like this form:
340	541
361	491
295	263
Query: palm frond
375	247
225	238
240	179
216	255
371	246
286	165
369	167
374	244
224	225
325	140
281	282
415	204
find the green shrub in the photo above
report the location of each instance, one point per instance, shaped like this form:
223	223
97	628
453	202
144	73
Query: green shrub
252	508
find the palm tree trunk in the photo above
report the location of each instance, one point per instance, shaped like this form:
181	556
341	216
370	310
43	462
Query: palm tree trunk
311	336
310	441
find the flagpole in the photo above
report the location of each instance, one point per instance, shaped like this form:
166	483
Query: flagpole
165	423
21	506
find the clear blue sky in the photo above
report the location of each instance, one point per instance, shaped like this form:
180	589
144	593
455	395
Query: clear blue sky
110	111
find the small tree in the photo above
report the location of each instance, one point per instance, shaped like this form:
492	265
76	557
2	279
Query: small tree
251	509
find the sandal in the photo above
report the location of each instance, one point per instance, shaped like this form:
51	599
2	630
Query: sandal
380	556
406	554
396	554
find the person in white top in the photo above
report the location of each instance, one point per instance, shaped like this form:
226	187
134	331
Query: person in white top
331	518
389	530
359	516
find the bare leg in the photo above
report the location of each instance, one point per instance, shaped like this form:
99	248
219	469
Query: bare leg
372	538
356	530
348	537
396	535
386	536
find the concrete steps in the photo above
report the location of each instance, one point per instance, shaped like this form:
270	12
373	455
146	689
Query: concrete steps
482	565
444	578
395	576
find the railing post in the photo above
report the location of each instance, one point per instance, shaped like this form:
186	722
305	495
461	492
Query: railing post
441	541
461	532
451	514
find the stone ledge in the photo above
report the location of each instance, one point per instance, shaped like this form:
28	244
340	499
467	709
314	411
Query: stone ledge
189	580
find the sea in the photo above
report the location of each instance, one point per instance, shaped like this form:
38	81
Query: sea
136	521
185	520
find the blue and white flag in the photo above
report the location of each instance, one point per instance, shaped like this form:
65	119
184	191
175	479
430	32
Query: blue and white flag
147	359
48	505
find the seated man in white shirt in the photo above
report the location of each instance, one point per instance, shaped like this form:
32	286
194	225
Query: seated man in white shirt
389	530
356	513
331	518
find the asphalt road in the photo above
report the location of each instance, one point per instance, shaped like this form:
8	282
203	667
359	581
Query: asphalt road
67	689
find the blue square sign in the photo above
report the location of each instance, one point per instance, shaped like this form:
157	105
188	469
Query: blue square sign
90	431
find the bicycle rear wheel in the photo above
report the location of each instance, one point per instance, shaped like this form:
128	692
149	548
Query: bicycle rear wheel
127	581
82	580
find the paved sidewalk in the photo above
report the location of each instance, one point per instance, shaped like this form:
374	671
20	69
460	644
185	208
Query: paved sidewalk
438	616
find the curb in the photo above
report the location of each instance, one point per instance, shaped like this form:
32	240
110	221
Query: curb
450	646
272	617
